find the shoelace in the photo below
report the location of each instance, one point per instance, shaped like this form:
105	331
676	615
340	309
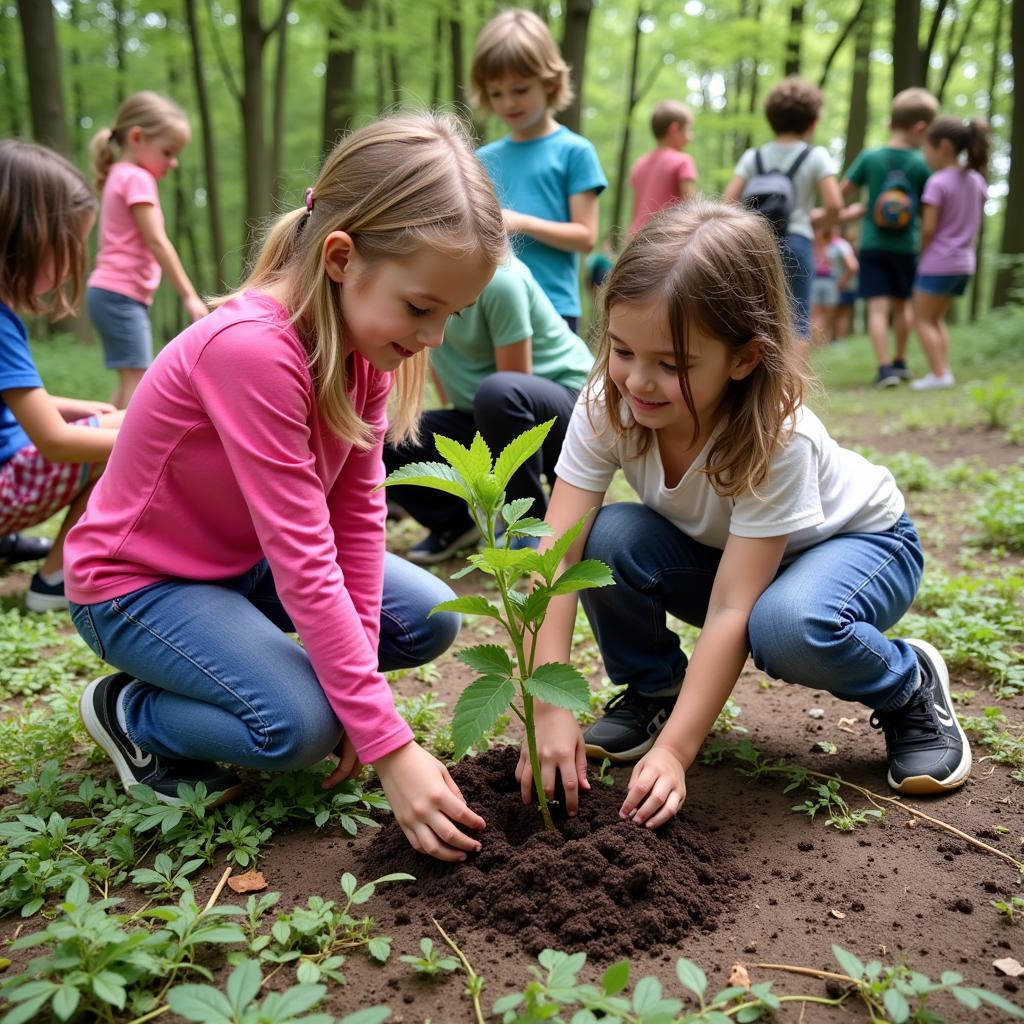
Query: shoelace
630	705
915	721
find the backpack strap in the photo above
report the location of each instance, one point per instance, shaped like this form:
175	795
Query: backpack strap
758	162
796	164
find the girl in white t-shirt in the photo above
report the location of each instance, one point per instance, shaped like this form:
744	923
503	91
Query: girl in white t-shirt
752	523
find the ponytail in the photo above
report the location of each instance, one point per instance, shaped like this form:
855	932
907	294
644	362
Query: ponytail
978	142
102	156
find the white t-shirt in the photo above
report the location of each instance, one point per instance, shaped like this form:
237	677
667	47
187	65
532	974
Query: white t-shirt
814	489
780	156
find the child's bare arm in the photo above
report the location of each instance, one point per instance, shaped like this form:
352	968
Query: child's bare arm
656	787
165	254
929	222
687	188
578	234
734	189
79	408
515	358
849	189
56	439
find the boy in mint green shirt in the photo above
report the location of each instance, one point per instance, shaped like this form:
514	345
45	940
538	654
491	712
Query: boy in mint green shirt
507	363
894	176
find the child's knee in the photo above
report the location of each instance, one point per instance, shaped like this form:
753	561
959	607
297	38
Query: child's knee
302	741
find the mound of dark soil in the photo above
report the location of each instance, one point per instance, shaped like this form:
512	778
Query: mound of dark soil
597	883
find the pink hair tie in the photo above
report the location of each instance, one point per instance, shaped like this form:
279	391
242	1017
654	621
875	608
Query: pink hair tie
309	200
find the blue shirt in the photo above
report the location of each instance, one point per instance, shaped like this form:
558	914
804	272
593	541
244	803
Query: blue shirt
537	177
17	370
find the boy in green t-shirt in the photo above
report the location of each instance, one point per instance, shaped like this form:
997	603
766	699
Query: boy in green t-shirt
894	175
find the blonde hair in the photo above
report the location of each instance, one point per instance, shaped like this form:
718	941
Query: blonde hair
149	111
517	42
716	268
44	205
911	106
396	186
668	113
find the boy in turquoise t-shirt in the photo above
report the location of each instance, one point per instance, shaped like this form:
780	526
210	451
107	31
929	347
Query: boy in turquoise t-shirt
508	362
894	175
547	177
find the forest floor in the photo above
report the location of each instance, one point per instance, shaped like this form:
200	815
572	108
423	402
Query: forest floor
767	865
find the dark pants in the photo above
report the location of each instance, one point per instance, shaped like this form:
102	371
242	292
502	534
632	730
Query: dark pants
505	405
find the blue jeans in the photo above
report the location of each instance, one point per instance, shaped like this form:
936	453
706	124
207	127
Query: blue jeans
221	680
798	263
819	623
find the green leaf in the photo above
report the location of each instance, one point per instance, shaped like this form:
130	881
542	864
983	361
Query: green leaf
470	464
530	528
966	997
109	987
515	510
554	554
691	977
478	708
615	978
848	962
494	560
371	1015
435	475
308	973
998	1001
379	947
896	1006
292	1002
473	605
65	1001
518	451
395	876
29	1009
243	985
951	978
561	685
489	659
646	995
348	883
583	575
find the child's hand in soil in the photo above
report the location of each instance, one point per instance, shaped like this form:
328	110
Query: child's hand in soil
657	788
427	803
560	751
348	766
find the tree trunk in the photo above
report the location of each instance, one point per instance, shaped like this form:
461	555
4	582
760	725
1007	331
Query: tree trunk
857	118
340	76
277	117
437	62
574	50
457	56
956	45
14	102
394	68
755	79
378	58
933	34
906	49
42	66
212	182
120	63
794	37
257	178
993	81
631	100
838	44
1012	246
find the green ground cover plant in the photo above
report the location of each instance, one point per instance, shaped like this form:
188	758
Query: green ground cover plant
480	480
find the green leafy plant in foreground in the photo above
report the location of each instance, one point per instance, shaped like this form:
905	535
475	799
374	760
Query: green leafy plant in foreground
472	474
430	963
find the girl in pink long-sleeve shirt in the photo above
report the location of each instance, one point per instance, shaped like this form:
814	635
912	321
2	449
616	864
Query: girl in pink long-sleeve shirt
241	501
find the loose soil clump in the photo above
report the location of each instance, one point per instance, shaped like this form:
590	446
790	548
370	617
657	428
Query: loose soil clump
598	884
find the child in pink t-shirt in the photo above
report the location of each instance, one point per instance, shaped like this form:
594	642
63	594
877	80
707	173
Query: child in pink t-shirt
666	175
952	205
242	502
128	159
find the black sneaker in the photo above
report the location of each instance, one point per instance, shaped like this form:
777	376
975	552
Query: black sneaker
139	767
926	748
887	378
898	367
439	546
45	597
629	727
19	547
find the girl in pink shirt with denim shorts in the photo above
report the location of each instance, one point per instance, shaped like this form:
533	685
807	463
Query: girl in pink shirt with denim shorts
243	503
952	205
128	160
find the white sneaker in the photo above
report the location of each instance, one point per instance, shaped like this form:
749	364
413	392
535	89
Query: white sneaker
933	382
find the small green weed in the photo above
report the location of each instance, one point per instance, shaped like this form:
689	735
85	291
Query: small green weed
430	962
1005	742
1008	909
995	398
604	775
827	798
1000	510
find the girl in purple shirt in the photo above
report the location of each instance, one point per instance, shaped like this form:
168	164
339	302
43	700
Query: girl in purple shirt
952	206
243	502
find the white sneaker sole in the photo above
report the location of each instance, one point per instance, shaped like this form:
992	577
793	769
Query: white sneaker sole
598	753
919	784
44	602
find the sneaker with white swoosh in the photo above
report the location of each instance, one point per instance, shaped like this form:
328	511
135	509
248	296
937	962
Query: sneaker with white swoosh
138	767
927	749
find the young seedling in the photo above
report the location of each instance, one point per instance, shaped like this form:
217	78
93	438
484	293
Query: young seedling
1009	909
431	963
472	474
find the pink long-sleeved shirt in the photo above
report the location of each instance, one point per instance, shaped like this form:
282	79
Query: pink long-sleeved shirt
223	459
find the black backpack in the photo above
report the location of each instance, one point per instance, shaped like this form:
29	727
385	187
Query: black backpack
771	192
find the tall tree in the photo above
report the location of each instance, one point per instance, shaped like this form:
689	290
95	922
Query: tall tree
212	183
631	101
841	38
956	45
394	67
794	37
42	66
277	114
340	106
1012	246
457	54
906	50
857	118
574	50
120	49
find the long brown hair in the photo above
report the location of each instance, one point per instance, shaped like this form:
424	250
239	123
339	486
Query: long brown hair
44	203
972	136
397	185
717	269
149	111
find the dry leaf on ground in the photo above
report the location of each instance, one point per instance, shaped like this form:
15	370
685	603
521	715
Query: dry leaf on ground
738	976
1009	966
251	881
837	913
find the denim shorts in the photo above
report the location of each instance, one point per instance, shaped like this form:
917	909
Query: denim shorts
124	329
944	285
